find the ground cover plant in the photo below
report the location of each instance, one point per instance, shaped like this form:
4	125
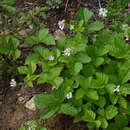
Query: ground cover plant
88	71
88	68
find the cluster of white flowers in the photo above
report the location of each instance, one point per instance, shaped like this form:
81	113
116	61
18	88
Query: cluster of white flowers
61	24
69	95
51	58
117	89
67	52
103	12
13	83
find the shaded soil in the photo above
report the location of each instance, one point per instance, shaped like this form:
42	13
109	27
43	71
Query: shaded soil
13	113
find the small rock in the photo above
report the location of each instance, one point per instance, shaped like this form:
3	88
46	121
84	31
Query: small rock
58	34
30	104
21	100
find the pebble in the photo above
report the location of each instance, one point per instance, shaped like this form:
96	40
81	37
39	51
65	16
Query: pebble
30	104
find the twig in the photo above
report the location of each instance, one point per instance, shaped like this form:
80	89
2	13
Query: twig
99	4
66	5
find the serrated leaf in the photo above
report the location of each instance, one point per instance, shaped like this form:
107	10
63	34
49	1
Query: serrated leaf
89	115
79	93
122	102
121	121
111	112
113	99
101	102
95	26
49	40
68	109
46	100
32	58
48	112
32	40
77	68
42	34
104	123
110	88
58	81
84	14
92	94
23	70
83	58
99	61
32	68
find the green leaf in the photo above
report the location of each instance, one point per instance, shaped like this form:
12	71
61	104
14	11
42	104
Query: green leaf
23	70
79	93
122	102
16	53
32	68
99	61
42	34
113	98
58	81
95	26
121	121
92	94
46	100
110	88
49	40
89	115
84	14
77	68
111	112
48	112
32	58
104	123
100	81
101	102
68	109
125	76
125	89
39	50
32	40
9	9
83	58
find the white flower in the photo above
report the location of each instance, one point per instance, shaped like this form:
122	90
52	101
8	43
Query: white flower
125	26
126	37
12	83
69	95
51	58
103	12
61	24
117	89
67	51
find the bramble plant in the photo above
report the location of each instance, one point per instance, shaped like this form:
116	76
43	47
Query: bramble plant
88	71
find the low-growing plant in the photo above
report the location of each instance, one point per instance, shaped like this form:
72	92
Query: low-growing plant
6	5
116	6
89	72
9	52
53	3
32	125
